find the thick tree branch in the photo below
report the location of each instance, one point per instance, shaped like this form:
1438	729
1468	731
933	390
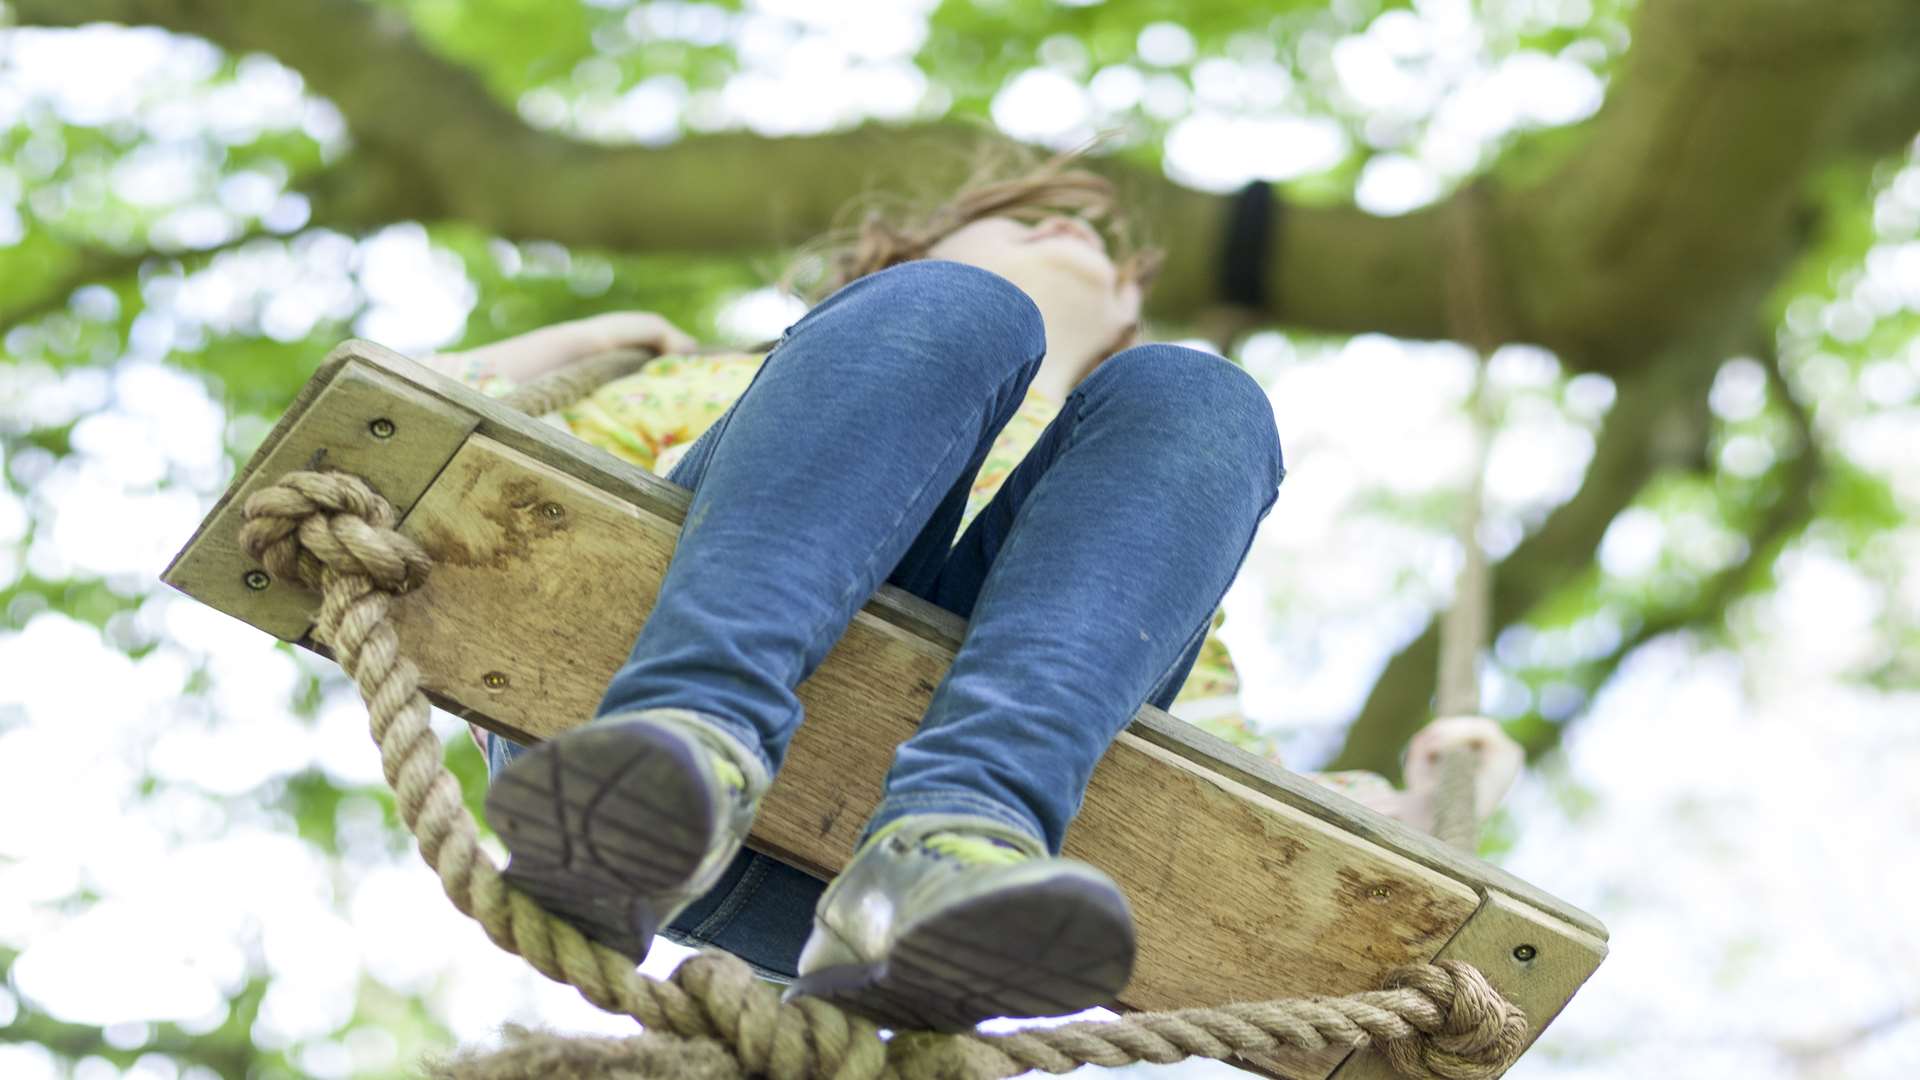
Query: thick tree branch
1677	212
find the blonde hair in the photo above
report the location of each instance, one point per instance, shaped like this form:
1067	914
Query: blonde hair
889	236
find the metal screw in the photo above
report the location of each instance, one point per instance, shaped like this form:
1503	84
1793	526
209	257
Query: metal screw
1524	953
1380	892
553	511
495	680
381	428
257	580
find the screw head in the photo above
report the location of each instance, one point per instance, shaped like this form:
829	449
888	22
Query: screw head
494	680
552	511
1524	953
381	428
1379	892
256	580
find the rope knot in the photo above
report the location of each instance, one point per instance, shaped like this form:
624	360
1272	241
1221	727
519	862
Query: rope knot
310	521
1474	1033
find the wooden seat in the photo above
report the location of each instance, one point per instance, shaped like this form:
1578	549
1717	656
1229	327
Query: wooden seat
1247	882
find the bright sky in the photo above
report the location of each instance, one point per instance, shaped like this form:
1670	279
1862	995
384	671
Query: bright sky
1739	823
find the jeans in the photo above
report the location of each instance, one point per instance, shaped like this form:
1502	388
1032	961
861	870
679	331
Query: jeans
1089	580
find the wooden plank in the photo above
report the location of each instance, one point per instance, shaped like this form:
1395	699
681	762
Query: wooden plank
943	629
331	423
541	582
1535	960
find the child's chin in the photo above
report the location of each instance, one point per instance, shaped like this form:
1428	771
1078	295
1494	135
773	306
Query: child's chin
1074	261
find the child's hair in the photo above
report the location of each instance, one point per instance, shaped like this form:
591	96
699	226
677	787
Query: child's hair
1006	182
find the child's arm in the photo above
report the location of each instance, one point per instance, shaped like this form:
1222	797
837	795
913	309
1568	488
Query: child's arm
525	357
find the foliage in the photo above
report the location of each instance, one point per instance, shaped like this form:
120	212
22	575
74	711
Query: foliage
99	273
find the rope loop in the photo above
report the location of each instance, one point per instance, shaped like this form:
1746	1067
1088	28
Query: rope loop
311	521
1479	1034
332	531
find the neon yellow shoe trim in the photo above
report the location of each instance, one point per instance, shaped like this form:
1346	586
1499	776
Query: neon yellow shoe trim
729	773
977	850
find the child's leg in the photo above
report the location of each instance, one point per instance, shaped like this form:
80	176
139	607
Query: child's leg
860	433
1090	582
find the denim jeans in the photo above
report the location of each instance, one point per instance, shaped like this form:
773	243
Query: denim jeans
1089	580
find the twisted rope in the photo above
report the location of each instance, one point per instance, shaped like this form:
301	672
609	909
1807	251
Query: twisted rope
1456	820
1474	317
331	531
559	389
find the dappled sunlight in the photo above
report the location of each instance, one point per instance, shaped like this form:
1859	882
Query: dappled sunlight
193	822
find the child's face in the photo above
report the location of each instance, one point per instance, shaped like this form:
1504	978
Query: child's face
1061	262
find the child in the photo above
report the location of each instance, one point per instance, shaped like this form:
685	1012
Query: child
973	374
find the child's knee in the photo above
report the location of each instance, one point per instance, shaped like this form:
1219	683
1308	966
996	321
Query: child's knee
952	309
1191	393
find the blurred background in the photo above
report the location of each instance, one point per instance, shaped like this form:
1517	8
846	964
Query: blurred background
1687	230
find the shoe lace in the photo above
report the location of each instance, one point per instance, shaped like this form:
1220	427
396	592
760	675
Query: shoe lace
974	848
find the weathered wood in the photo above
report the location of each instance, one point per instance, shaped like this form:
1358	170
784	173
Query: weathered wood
1247	881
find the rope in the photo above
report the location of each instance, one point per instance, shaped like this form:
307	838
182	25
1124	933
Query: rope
331	531
559	389
1463	634
1464	627
1456	820
1469	295
563	387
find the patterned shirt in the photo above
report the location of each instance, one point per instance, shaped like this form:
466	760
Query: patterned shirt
652	416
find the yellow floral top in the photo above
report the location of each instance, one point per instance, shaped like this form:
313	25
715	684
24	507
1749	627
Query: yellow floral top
651	417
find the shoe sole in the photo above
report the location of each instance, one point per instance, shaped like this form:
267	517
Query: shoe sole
1046	949
602	823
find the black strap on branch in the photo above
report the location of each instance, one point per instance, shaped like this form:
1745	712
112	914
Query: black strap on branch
1253	220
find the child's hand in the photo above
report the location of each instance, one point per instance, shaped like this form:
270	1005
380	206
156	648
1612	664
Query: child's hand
634	330
528	356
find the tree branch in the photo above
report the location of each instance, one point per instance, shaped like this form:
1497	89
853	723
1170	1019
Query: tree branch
1675	214
1792	509
1654	423
1653	426
84	265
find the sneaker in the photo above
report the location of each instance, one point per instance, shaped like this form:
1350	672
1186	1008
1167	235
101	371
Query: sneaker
942	921
618	825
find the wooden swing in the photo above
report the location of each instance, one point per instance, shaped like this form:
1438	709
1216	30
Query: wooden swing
1247	882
